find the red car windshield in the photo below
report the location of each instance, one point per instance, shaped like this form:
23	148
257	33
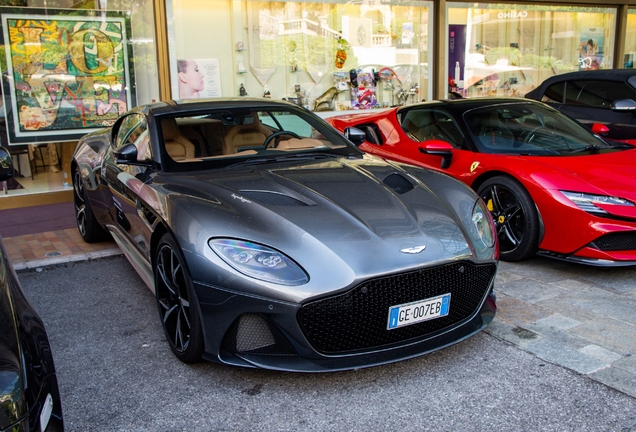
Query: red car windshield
529	129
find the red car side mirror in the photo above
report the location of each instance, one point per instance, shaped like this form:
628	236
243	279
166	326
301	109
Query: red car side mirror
600	129
438	148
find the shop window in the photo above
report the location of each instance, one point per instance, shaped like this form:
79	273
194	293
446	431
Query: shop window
323	56
72	67
509	49
630	40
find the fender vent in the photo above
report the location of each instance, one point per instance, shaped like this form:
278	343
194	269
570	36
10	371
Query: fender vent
398	183
273	198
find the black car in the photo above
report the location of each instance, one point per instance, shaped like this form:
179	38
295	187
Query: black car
29	394
595	98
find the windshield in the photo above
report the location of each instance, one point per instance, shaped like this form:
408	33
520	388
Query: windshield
223	137
528	128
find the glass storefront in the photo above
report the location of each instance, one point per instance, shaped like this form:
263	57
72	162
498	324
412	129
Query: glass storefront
69	67
508	49
630	40
326	56
329	56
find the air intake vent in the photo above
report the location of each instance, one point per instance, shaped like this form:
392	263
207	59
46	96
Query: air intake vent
272	198
615	241
398	183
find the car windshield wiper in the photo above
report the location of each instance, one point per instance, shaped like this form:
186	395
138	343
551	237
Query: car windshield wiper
619	144
591	148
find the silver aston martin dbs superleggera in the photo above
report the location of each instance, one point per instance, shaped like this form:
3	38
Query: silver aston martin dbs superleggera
271	241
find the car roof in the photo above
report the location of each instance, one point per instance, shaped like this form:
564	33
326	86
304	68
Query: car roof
467	103
620	75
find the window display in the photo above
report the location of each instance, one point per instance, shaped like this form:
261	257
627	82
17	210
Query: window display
66	75
332	52
630	40
508	49
70	67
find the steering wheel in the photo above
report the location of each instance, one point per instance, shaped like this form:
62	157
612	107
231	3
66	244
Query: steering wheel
530	135
279	133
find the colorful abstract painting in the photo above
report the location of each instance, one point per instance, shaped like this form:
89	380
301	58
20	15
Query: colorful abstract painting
66	75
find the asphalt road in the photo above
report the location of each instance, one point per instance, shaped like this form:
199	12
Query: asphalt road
117	374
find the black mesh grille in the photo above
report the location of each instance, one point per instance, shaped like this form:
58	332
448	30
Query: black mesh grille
398	183
616	241
254	334
357	319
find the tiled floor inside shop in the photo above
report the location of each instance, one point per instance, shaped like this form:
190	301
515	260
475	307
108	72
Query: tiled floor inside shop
44	181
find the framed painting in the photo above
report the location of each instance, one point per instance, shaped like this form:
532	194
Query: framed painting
67	73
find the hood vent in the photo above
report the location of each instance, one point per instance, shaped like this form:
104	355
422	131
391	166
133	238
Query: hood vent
272	198
398	183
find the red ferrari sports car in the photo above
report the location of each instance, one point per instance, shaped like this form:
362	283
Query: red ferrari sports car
552	186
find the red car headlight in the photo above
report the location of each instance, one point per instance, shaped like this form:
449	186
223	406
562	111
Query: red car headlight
588	202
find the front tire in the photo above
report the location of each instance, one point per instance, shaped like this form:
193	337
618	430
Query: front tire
515	216
178	307
90	230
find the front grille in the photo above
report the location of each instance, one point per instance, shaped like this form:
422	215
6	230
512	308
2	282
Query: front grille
616	241
357	319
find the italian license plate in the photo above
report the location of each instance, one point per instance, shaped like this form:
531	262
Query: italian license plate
422	310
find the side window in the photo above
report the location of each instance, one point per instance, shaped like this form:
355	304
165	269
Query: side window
597	94
554	93
134	130
427	124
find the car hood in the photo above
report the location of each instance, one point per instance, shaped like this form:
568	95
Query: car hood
342	220
606	174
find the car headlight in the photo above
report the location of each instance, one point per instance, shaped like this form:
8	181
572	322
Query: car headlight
588	202
259	262
483	226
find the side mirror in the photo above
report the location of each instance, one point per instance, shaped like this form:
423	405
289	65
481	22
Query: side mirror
6	165
438	148
356	136
623	105
600	129
126	154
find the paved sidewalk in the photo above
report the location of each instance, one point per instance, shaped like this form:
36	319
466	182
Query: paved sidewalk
582	318
55	247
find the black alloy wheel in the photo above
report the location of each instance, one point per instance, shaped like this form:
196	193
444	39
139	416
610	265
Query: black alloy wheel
515	217
178	308
87	224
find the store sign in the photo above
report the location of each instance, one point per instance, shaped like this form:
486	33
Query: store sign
512	14
66	75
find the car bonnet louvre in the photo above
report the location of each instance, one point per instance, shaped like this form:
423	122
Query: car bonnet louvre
398	183
274	198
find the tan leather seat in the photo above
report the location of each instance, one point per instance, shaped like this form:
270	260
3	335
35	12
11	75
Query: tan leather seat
250	134
177	146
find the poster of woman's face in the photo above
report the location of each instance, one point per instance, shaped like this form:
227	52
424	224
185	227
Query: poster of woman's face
190	79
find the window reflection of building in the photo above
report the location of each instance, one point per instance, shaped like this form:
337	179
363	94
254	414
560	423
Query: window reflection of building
513	48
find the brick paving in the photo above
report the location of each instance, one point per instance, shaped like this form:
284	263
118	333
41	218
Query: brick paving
54	247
